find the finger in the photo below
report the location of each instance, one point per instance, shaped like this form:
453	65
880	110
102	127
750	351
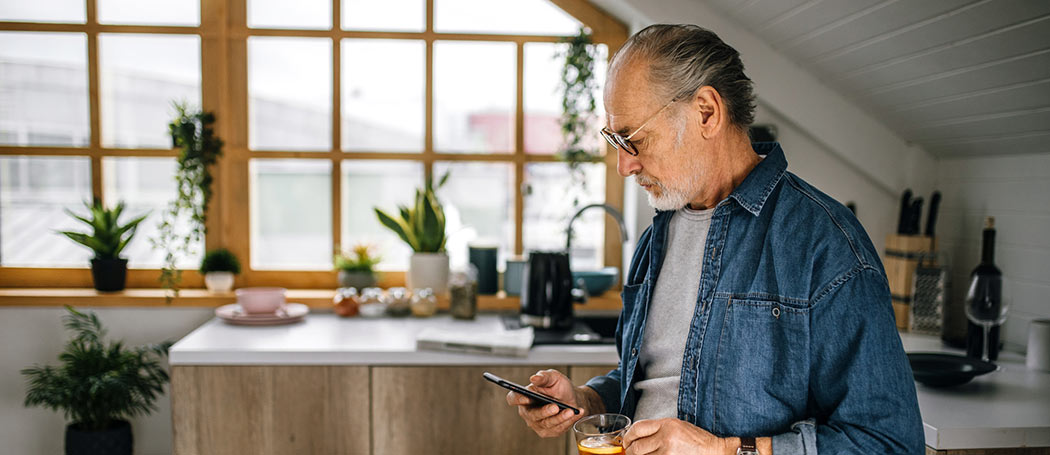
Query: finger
517	399
644	446
544	378
640	429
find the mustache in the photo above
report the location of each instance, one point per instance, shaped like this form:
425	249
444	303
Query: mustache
643	180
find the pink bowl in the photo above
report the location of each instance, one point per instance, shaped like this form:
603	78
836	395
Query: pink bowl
260	300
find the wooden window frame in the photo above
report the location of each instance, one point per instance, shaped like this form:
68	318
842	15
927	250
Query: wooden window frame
224	33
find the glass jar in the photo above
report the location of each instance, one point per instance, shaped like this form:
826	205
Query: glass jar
398	302
346	302
372	303
463	296
424	303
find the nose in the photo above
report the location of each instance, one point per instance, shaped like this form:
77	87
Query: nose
627	165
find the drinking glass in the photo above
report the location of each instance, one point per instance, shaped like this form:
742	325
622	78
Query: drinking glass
986	306
601	434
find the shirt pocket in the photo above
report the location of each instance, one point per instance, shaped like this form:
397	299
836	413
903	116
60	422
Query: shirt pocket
762	371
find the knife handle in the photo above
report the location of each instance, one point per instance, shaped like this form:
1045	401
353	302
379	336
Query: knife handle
931	217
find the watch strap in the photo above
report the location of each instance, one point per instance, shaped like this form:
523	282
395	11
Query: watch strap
747	446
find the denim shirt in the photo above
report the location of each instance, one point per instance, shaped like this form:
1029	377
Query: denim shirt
793	335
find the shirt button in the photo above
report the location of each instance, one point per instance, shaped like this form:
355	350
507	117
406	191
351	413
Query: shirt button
634	352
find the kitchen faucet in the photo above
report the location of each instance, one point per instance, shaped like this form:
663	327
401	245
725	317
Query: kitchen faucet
608	208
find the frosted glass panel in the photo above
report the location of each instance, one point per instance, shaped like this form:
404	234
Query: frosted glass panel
518	17
543	94
291	214
308	14
33	193
479	206
368	184
474	97
383	104
290	93
150	12
141	76
551	199
43	11
147	185
43	89
391	15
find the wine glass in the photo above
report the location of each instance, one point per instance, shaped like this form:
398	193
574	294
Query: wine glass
985	306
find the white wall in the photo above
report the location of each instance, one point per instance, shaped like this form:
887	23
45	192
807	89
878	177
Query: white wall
1015	189
35	335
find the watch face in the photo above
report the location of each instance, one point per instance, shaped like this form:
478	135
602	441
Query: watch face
746	452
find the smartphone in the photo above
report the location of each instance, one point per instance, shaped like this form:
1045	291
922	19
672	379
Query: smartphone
536	396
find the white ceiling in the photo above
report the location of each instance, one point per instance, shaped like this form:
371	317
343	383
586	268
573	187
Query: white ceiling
956	77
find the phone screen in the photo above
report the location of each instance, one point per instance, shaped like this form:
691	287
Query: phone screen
536	396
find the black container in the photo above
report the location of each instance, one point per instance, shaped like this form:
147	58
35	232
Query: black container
112	441
483	258
986	287
109	275
546	293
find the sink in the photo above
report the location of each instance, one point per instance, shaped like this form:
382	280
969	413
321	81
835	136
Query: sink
587	329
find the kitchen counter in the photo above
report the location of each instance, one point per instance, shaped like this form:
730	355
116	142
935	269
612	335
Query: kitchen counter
1008	408
326	339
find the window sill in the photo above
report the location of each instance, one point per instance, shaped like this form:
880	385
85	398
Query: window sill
190	298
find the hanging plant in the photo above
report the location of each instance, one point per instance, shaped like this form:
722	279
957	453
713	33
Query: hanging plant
578	87
200	148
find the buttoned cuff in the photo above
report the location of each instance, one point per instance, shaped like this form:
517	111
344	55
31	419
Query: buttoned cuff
609	391
801	440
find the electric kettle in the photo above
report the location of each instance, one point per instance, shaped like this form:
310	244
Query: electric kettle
546	292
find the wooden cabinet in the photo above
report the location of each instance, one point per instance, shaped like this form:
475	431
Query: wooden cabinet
355	410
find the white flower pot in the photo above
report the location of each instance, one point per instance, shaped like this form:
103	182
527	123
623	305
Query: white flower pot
218	281
428	270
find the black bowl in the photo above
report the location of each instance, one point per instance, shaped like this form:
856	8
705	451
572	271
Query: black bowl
934	369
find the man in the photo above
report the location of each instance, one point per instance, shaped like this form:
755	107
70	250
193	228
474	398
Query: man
756	311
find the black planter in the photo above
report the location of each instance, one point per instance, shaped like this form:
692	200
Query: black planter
109	274
113	441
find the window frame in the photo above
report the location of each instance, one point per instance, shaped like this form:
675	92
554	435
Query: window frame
224	34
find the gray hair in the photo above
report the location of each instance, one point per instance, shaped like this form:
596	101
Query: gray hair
682	58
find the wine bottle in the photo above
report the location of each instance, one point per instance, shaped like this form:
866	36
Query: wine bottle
986	277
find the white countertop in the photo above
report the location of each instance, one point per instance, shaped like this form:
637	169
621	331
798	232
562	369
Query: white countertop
326	339
1005	408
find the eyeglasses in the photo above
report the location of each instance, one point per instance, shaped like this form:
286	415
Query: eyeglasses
619	141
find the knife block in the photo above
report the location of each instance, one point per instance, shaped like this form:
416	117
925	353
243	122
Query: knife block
902	258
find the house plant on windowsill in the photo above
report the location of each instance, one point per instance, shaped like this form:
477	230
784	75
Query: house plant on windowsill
107	239
422	227
356	267
218	268
579	111
98	386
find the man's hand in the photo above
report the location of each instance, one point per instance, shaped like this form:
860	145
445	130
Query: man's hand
672	436
546	421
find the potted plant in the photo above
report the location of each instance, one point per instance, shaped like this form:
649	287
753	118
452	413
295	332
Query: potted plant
357	267
192	132
579	110
422	227
98	386
218	267
107	239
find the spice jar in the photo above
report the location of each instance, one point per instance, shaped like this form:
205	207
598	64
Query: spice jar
398	302
346	302
424	303
372	303
463	295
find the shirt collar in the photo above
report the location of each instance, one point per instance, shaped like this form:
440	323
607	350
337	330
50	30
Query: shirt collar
756	187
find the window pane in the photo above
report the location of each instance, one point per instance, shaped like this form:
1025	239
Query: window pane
33	193
474	93
151	12
479	207
368	184
393	15
543	94
147	185
43	89
291	214
551	199
311	14
290	91
521	17
383	104
43	11
141	76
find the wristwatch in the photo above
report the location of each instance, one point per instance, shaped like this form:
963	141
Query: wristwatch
747	446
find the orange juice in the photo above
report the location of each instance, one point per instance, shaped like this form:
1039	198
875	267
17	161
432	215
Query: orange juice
601	445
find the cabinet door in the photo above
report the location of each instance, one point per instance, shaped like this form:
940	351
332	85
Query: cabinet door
218	410
431	410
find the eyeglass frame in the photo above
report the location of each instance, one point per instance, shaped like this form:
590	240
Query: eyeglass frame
618	141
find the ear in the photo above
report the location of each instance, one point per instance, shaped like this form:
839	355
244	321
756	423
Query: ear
710	108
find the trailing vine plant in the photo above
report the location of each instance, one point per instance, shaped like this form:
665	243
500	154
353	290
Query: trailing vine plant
200	148
578	87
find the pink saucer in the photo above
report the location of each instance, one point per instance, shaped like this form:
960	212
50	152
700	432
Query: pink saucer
289	313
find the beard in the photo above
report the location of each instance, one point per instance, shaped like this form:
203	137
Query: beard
675	192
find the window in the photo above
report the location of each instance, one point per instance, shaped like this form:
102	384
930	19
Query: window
328	108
